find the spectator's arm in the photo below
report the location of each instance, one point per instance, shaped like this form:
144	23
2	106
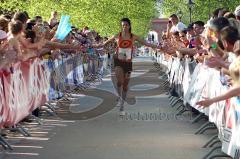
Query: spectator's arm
56	45
28	45
229	94
217	62
187	51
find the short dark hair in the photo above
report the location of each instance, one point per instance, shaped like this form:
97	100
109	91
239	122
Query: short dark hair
200	23
15	27
37	17
21	16
218	23
230	34
7	16
86	28
215	12
26	13
176	33
30	34
184	31
190	27
174	16
30	25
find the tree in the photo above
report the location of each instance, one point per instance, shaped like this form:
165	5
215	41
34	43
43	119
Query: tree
101	15
200	10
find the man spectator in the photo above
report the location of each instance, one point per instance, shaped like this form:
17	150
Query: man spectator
174	25
190	32
38	19
198	27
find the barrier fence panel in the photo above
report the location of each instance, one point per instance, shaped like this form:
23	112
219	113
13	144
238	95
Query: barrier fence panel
15	95
231	128
186	77
198	82
3	112
78	70
24	90
179	79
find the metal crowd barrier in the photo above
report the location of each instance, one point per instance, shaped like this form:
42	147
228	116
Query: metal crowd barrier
41	83
190	82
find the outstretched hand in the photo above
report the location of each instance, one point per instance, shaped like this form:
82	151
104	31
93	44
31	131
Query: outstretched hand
215	62
205	103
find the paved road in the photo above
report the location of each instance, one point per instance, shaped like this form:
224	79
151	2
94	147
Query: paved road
92	129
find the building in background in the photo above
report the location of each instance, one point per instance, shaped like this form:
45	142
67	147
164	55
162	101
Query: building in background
158	26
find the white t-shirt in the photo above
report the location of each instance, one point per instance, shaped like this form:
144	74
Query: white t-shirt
179	27
231	57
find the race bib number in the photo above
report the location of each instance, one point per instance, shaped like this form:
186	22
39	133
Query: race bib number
125	53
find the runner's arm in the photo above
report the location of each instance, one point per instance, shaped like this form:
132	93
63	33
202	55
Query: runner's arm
145	43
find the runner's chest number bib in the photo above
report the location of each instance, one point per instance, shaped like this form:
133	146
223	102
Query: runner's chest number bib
125	53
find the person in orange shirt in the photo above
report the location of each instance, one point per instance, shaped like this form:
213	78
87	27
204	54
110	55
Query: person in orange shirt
123	58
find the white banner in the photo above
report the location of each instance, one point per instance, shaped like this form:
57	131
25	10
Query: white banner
231	129
186	78
198	81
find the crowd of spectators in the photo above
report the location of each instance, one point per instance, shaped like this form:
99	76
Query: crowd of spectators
22	38
215	43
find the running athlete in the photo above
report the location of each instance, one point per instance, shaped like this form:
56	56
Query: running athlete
123	58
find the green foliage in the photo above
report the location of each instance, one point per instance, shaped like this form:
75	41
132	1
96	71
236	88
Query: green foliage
102	15
200	10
